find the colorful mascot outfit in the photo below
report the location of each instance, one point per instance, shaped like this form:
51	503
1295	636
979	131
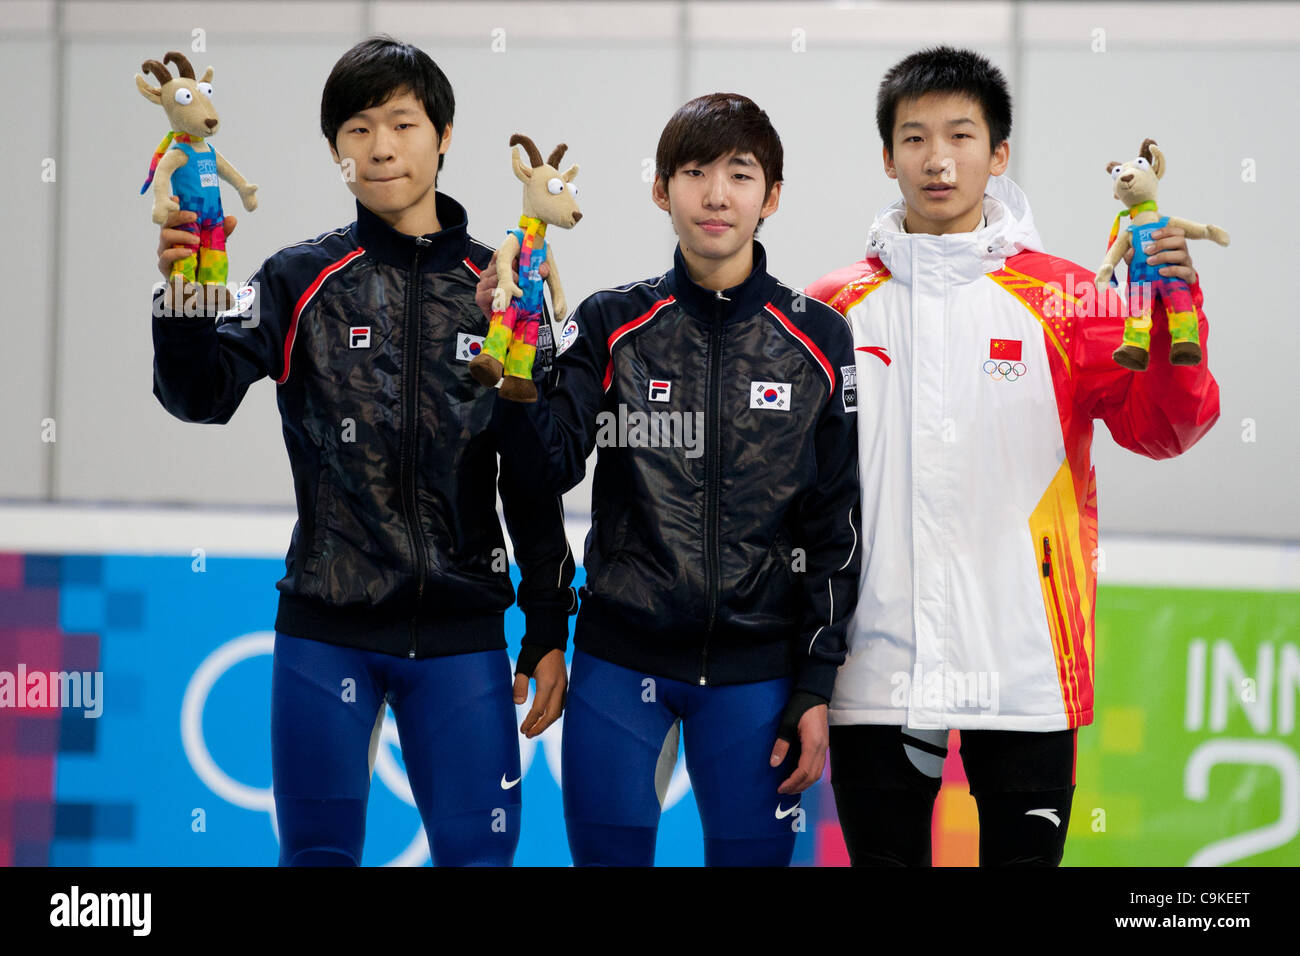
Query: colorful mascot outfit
514	333
1136	184
195	184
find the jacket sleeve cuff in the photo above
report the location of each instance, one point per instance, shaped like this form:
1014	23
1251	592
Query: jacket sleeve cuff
547	628
816	677
799	704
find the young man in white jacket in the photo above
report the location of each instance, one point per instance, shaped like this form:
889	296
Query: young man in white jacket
981	364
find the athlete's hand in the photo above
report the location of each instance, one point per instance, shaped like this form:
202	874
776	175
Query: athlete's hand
814	740
1168	249
487	284
551	681
174	243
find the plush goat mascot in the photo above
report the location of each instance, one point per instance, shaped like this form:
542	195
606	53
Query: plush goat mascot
511	343
186	167
1136	184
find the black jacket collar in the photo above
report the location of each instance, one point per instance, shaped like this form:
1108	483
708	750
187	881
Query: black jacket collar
444	250
738	302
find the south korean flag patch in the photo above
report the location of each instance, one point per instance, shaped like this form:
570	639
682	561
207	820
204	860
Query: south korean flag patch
772	395
849	384
468	346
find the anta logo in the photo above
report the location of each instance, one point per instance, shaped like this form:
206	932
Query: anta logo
879	351
659	391
359	337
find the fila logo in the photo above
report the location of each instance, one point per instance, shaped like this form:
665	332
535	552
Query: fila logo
359	337
659	391
468	346
773	395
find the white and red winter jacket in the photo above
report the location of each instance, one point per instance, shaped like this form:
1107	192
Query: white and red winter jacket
979	374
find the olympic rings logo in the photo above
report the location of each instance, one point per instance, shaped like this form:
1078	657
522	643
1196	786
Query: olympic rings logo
262	799
1004	370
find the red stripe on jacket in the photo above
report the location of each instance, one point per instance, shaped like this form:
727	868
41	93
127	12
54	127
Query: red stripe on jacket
622	330
808	344
306	297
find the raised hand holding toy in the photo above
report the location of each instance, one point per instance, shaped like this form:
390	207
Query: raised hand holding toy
1136	185
185	166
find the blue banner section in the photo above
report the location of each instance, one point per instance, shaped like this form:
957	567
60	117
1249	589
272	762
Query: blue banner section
176	768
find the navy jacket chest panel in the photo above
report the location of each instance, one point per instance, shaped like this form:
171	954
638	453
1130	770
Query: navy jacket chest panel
676	349
768	452
765	453
672	349
449	313
336	353
375	299
348	360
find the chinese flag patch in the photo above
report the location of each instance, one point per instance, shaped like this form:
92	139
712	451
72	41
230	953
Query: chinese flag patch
1005	349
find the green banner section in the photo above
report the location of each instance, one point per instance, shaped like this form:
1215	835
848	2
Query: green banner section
1194	755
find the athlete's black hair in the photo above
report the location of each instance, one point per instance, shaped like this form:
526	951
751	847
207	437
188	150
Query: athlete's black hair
713	125
374	71
944	69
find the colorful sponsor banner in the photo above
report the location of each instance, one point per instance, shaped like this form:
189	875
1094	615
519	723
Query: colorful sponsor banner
175	768
1194	756
143	734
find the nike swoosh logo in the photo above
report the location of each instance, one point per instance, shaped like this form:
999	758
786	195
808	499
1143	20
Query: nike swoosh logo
877	350
782	814
507	784
1046	814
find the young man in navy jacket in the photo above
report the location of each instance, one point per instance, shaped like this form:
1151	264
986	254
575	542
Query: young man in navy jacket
396	580
724	548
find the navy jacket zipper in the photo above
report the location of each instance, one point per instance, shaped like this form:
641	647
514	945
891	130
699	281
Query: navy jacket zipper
411	436
711	481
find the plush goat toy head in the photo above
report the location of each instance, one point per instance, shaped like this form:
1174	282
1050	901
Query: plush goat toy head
186	101
550	198
548	193
185	167
1136	186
